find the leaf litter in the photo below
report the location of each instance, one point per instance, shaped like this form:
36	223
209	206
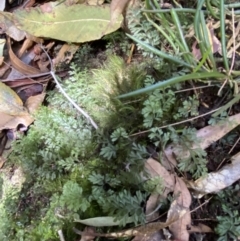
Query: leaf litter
13	112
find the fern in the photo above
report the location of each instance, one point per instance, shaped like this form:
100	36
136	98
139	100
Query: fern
142	30
71	196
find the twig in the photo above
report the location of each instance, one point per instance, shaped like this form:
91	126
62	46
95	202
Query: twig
66	95
178	123
60	234
72	102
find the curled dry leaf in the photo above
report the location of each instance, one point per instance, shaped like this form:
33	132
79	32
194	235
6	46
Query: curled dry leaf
216	181
20	65
180	207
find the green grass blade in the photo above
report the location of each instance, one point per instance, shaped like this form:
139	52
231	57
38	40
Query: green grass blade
160	29
223	35
160	53
172	81
207	44
197	29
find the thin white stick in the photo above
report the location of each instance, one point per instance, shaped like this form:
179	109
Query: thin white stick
177	123
60	234
65	94
72	102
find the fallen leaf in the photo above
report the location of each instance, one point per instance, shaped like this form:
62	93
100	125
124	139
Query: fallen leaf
216	181
180	207
2	161
89	236
8	27
200	228
11	122
101	221
25	46
157	236
10	103
65	54
95	2
34	102
20	65
117	7
154	168
151	205
76	23
2	44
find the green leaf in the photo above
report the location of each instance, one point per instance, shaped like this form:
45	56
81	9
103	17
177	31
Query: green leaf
77	23
172	81
102	221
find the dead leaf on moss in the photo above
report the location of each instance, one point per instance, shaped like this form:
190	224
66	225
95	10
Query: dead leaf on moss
216	181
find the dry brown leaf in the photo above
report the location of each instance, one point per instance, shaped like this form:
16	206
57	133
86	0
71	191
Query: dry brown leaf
2	161
95	2
89	236
19	65
154	169
195	51
157	236
117	7
200	228
7	26
152	204
12	122
65	54
216	181
181	204
214	42
10	103
34	102
25	46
